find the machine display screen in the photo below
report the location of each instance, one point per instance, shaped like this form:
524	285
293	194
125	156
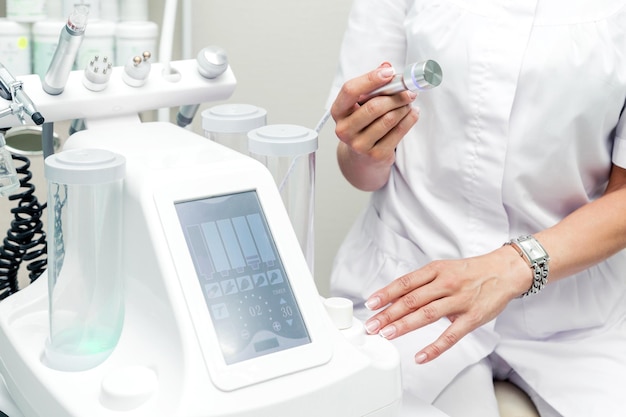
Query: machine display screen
249	297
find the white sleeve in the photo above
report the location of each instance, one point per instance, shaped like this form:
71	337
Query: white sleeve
619	145
375	33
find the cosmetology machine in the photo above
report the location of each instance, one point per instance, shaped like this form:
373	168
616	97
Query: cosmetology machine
221	317
175	284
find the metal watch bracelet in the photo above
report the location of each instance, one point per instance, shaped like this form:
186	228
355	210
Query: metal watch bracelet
538	264
540	278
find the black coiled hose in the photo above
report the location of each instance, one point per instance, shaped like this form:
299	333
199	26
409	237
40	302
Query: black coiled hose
26	238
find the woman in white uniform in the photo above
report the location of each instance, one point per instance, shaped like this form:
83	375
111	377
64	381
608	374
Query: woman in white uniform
525	138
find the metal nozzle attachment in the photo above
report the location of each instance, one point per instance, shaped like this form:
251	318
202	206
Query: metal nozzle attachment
212	62
423	75
77	20
12	90
418	76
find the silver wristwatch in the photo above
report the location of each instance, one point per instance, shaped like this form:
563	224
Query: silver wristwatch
530	249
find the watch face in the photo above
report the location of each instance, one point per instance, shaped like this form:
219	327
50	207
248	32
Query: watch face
533	249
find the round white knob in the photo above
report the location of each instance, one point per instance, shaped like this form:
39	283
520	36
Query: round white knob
340	311
128	388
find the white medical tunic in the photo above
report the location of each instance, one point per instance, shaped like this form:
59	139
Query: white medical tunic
522	131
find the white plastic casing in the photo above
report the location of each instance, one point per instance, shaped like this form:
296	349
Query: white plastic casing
165	363
160	90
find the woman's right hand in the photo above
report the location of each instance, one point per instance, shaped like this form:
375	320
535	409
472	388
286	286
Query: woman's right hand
370	132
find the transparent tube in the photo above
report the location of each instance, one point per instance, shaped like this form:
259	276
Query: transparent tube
85	280
229	124
288	152
235	141
295	179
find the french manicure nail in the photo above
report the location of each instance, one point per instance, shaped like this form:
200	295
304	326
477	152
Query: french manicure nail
372	303
372	326
385	73
421	358
388	331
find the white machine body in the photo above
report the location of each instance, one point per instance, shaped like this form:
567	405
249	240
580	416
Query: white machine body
174	357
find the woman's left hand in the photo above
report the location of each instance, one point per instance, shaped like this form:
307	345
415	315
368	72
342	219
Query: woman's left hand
469	292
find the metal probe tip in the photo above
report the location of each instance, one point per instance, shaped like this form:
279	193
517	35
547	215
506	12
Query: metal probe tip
418	76
425	75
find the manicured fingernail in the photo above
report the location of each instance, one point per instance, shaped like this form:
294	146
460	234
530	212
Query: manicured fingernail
412	94
372	303
385	72
372	326
421	358
388	331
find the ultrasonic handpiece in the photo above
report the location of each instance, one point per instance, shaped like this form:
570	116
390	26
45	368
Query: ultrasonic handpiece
418	76
11	89
212	62
97	73
70	40
137	70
